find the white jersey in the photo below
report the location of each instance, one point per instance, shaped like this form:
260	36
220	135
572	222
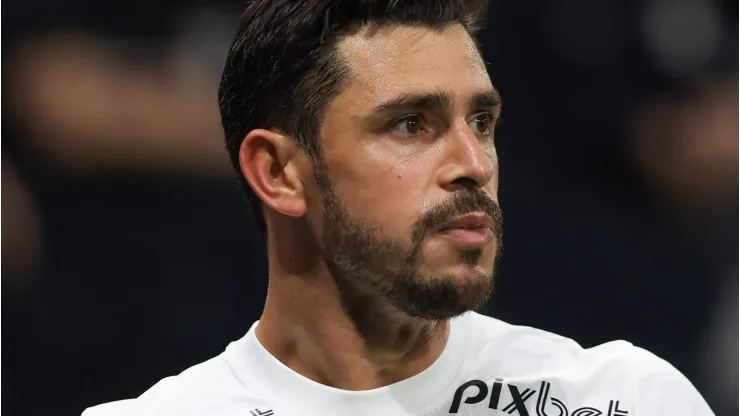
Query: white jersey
488	367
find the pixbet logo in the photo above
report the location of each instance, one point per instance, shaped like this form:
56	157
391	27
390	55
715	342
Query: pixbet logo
545	406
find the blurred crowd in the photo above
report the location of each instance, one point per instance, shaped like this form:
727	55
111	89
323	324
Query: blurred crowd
129	254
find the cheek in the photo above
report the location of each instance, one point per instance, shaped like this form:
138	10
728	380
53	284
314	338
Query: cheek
315	208
384	182
389	199
391	195
492	185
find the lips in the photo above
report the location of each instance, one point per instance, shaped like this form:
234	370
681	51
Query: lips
471	230
474	221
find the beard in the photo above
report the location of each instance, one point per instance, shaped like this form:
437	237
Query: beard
361	254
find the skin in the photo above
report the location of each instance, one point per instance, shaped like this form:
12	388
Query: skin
344	234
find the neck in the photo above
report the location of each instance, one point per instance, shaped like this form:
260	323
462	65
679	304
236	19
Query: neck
328	331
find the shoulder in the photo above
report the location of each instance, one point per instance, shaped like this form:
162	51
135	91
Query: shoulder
555	351
207	388
525	341
524	353
514	352
662	389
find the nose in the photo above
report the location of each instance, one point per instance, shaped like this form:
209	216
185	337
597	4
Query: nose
471	162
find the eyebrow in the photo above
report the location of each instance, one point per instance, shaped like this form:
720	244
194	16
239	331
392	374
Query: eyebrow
435	101
486	99
415	101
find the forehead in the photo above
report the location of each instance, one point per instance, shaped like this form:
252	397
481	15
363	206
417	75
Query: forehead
390	61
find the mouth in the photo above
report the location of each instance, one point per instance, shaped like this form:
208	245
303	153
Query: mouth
471	230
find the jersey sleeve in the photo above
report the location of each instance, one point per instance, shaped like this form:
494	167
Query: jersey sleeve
662	390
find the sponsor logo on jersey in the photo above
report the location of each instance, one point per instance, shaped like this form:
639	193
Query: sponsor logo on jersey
517	400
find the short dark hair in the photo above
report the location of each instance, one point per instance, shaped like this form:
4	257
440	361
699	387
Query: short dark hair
283	67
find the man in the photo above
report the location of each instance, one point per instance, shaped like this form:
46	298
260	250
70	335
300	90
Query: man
362	132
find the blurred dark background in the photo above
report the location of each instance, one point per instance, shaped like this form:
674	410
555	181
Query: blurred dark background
129	253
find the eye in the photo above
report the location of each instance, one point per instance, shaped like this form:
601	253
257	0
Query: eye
482	124
408	126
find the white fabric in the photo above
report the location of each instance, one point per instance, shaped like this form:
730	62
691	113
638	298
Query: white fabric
488	367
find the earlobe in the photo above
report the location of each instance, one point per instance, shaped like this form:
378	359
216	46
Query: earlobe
268	161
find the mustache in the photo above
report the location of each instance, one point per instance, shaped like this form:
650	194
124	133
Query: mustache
461	203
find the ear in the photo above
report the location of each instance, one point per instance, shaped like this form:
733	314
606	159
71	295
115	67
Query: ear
269	162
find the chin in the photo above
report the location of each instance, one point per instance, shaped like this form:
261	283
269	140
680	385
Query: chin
436	291
471	275
440	254
465	278
455	295
468	269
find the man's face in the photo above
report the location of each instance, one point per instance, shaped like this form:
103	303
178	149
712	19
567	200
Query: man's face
407	147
